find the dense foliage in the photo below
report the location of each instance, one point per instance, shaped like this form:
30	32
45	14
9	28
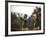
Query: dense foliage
32	23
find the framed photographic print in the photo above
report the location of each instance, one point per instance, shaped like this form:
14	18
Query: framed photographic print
24	18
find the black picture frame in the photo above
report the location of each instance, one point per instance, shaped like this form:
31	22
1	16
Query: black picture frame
6	17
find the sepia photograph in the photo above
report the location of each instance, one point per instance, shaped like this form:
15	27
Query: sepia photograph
24	18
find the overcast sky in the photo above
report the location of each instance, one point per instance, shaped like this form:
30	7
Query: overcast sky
23	8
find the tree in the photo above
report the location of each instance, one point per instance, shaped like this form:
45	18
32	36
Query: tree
25	21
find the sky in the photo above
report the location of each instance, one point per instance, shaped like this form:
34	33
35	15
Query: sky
24	8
